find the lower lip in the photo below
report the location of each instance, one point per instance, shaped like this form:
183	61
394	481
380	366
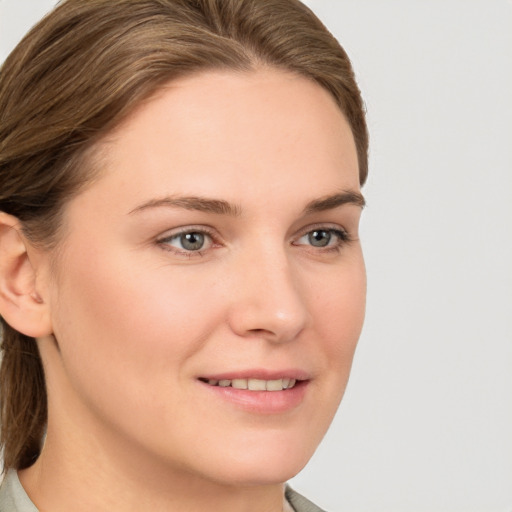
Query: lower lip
261	402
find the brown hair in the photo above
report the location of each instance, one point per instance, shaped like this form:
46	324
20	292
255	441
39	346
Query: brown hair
78	74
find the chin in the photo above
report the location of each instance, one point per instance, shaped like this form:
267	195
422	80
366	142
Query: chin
264	462
259	474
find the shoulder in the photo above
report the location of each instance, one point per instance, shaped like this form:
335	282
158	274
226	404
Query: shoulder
299	503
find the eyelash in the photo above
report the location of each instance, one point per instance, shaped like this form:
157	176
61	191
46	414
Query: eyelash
341	235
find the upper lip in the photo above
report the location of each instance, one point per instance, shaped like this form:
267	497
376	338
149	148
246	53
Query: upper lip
259	373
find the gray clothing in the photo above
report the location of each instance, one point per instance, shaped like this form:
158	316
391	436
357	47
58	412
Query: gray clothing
13	497
297	501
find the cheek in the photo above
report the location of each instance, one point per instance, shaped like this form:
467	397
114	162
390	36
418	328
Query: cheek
338	306
120	320
338	310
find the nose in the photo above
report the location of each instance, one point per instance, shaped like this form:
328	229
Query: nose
267	299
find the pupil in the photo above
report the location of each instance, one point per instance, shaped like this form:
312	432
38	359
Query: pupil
192	241
319	238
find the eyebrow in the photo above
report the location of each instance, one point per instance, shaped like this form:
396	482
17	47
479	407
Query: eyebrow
336	200
221	207
201	204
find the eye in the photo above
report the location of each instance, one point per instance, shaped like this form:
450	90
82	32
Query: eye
319	238
324	238
188	241
192	241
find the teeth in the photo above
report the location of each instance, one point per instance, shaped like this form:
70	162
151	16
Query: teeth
239	383
274	385
255	384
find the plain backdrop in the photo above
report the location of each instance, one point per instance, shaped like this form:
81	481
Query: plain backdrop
426	422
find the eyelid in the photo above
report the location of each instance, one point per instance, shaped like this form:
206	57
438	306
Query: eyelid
325	227
170	233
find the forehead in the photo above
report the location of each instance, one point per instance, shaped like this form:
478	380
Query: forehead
217	133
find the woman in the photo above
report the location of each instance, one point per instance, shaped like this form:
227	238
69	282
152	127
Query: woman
181	281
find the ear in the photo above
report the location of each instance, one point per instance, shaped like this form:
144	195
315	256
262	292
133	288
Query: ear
21	305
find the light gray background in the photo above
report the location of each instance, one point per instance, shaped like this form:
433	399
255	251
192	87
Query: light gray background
426	423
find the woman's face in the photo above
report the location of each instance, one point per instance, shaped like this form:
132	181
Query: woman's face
218	250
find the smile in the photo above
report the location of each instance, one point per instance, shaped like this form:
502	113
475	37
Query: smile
253	384
259	391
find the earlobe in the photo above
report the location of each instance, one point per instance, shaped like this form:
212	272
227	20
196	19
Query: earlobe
21	305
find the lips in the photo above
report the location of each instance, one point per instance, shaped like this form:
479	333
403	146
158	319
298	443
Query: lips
259	391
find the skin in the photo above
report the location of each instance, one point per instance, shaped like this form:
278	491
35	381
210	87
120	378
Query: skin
134	319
